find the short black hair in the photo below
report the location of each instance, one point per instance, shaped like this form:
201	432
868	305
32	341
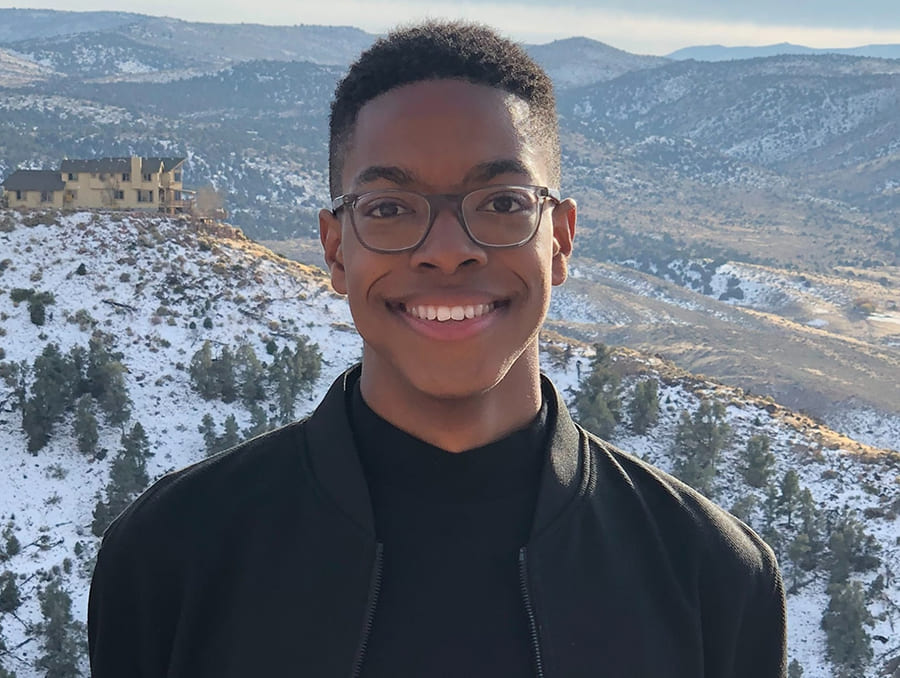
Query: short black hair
438	50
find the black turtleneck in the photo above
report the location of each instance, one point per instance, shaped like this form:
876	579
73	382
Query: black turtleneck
451	525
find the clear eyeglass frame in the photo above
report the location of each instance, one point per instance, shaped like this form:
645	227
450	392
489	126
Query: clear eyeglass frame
435	203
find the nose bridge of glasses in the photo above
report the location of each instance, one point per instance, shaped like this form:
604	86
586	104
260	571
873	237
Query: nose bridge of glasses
450	202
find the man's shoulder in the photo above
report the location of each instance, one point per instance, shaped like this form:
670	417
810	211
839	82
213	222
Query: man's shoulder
675	514
254	474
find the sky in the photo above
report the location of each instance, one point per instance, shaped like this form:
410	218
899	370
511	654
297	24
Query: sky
642	26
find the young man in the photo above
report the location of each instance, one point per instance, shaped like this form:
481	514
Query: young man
439	514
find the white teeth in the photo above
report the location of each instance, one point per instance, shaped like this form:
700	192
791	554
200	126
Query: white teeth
445	313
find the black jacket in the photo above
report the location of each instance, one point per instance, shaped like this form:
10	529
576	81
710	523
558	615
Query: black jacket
263	561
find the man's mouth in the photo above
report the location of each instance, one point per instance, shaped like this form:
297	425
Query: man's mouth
442	313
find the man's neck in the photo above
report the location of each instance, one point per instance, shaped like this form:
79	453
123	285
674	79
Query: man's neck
456	424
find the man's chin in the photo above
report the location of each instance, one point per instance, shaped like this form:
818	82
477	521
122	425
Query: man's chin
457	383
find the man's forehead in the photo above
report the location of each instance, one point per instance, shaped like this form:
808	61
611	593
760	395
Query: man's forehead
393	130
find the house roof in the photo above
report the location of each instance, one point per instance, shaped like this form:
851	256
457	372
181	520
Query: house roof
117	165
152	164
34	180
97	165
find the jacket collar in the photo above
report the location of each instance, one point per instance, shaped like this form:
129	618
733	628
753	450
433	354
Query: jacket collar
336	466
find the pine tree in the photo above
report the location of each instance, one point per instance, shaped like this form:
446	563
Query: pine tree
795	670
62	642
799	551
811	527
231	436
851	548
210	438
758	461
85	425
102	517
225	382
4	673
847	644
597	398
106	381
10	598
51	393
307	363
11	544
78	358
250	375
287	387
202	372
644	406
127	477
698	441
259	422
790	494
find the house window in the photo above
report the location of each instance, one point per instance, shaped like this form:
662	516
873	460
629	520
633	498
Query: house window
46	196
73	176
119	195
126	176
102	176
145	196
177	176
148	177
19	195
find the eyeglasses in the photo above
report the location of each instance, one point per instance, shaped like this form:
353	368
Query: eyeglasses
390	221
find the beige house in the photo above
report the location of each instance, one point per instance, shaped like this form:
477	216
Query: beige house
34	188
104	183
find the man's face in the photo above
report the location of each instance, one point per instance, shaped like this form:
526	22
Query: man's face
436	137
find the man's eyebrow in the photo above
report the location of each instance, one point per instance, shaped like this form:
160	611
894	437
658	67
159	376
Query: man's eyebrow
488	170
393	174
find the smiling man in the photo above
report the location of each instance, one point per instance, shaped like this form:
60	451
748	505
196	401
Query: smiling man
439	514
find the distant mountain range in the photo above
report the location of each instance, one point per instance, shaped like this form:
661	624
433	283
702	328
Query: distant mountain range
722	53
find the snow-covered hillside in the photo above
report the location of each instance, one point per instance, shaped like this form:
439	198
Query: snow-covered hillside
160	287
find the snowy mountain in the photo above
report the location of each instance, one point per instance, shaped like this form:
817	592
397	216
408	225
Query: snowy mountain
125	46
722	53
574	62
155	290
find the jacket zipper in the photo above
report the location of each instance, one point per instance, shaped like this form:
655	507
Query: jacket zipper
529	610
374	589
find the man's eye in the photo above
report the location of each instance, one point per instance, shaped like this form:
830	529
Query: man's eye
385	209
505	203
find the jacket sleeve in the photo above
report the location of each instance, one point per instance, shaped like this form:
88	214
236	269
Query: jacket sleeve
127	633
111	610
761	650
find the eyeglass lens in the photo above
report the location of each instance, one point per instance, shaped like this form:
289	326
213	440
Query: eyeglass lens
495	215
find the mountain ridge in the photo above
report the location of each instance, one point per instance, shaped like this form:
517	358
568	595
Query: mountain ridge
723	53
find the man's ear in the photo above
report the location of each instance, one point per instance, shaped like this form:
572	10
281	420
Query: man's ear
331	236
563	236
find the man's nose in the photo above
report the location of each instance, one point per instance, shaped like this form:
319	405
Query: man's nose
447	246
